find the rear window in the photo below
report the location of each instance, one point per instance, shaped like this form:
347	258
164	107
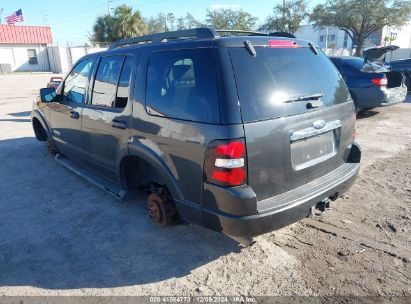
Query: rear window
182	84
358	63
266	82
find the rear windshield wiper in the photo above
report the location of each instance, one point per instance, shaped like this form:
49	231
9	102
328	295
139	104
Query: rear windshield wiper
305	97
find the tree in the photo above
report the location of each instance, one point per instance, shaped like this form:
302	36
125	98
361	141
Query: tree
168	22
286	18
103	30
360	18
125	23
157	24
128	23
231	19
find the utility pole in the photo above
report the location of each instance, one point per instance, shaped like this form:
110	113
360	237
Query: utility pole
1	11
326	39
108	6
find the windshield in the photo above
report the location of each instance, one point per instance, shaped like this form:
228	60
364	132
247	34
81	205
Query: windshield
285	81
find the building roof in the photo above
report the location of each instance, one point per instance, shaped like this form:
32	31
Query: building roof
25	34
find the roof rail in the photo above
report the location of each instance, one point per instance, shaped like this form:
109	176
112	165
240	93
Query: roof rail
251	33
199	33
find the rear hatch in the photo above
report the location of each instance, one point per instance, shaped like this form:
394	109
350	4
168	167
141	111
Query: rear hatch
297	114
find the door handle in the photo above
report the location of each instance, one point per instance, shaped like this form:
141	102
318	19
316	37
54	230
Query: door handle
74	115
119	124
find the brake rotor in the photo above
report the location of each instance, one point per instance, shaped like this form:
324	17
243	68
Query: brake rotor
161	211
50	147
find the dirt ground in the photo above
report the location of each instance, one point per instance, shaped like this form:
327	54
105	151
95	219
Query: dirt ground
61	236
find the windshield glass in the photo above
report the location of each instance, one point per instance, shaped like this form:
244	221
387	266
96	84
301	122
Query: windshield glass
283	81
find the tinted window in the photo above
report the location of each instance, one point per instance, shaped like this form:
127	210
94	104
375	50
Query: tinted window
266	82
124	83
76	81
183	84
357	63
105	84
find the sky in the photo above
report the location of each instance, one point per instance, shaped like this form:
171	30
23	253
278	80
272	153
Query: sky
72	20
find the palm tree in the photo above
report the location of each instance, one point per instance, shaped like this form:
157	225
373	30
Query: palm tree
103	30
125	23
128	23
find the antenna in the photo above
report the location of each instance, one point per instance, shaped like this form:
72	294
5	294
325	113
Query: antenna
45	18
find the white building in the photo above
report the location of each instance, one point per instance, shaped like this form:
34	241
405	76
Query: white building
24	48
338	40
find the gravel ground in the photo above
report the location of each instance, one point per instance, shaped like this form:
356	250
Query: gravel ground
62	236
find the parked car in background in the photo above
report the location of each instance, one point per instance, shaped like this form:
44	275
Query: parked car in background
55	82
370	81
230	132
402	66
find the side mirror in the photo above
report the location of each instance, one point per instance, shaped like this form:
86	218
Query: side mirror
47	94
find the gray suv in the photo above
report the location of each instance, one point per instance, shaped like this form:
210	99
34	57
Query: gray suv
242	133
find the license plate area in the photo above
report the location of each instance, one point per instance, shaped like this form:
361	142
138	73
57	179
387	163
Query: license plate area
315	147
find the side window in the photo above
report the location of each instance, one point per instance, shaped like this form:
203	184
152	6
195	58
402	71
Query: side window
76	82
32	55
124	83
183	84
105	84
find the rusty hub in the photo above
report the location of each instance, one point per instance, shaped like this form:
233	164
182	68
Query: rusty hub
50	147
161	210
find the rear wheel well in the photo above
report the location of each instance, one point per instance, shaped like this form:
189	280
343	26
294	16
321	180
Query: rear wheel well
137	173
39	131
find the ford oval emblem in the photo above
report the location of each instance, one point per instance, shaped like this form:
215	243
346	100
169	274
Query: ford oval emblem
318	124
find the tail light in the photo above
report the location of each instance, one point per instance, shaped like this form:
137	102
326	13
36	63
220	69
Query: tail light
226	163
379	81
282	44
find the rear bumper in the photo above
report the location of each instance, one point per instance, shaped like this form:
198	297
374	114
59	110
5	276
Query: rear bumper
394	96
372	97
287	208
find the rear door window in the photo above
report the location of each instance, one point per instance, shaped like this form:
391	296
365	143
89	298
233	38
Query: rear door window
182	84
266	83
105	84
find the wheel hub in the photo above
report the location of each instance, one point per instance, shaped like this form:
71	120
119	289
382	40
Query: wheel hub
160	210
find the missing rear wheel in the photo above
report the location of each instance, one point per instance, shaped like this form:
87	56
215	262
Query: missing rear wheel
161	208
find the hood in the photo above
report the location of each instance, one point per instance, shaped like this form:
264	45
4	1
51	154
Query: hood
377	53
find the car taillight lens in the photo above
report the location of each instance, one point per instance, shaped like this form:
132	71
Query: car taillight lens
379	81
282	44
226	163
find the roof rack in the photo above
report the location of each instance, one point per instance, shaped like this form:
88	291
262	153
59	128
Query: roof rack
197	33
251	33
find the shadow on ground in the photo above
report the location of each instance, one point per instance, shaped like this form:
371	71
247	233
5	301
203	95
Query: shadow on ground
16	120
366	114
20	114
58	232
